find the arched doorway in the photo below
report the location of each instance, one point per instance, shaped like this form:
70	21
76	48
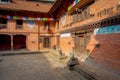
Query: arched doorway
5	42
19	42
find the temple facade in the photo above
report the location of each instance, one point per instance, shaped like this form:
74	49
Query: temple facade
88	28
91	30
24	28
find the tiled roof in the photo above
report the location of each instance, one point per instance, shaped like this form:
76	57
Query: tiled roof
26	6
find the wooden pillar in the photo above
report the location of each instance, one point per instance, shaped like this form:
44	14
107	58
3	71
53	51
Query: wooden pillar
38	36
58	42
11	42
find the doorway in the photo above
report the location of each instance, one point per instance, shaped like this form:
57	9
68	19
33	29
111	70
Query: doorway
5	42
79	44
46	43
81	41
19	42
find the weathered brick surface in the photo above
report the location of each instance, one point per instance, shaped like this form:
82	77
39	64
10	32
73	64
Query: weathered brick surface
66	45
107	53
31	33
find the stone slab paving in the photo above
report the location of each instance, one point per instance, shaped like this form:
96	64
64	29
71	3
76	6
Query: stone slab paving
34	67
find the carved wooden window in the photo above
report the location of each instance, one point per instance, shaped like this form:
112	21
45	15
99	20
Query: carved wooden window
19	24
82	14
46	25
4	1
63	19
3	23
81	44
118	7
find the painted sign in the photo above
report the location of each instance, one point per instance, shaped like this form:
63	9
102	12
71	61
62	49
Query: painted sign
63	19
65	35
107	30
31	24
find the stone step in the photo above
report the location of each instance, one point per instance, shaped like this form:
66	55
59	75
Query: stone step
85	74
55	54
10	53
95	73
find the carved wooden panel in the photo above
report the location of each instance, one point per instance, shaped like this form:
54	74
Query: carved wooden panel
81	44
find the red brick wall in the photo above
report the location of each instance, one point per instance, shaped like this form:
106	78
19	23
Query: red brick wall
32	42
44	33
66	44
31	34
108	51
96	7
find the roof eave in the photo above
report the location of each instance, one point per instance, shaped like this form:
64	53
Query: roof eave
55	6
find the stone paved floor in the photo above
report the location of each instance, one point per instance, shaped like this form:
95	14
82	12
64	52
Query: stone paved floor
34	67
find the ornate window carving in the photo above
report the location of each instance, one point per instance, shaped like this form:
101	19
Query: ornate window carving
3	23
82	14
19	24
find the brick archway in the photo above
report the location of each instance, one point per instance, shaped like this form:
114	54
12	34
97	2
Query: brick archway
5	42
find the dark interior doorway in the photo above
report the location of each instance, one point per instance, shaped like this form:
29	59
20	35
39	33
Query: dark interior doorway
5	42
19	42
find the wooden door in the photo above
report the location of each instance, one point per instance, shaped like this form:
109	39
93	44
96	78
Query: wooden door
81	42
46	42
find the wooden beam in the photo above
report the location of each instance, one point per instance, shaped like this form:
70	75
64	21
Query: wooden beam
80	4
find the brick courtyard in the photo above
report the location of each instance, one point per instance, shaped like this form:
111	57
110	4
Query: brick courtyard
34	67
